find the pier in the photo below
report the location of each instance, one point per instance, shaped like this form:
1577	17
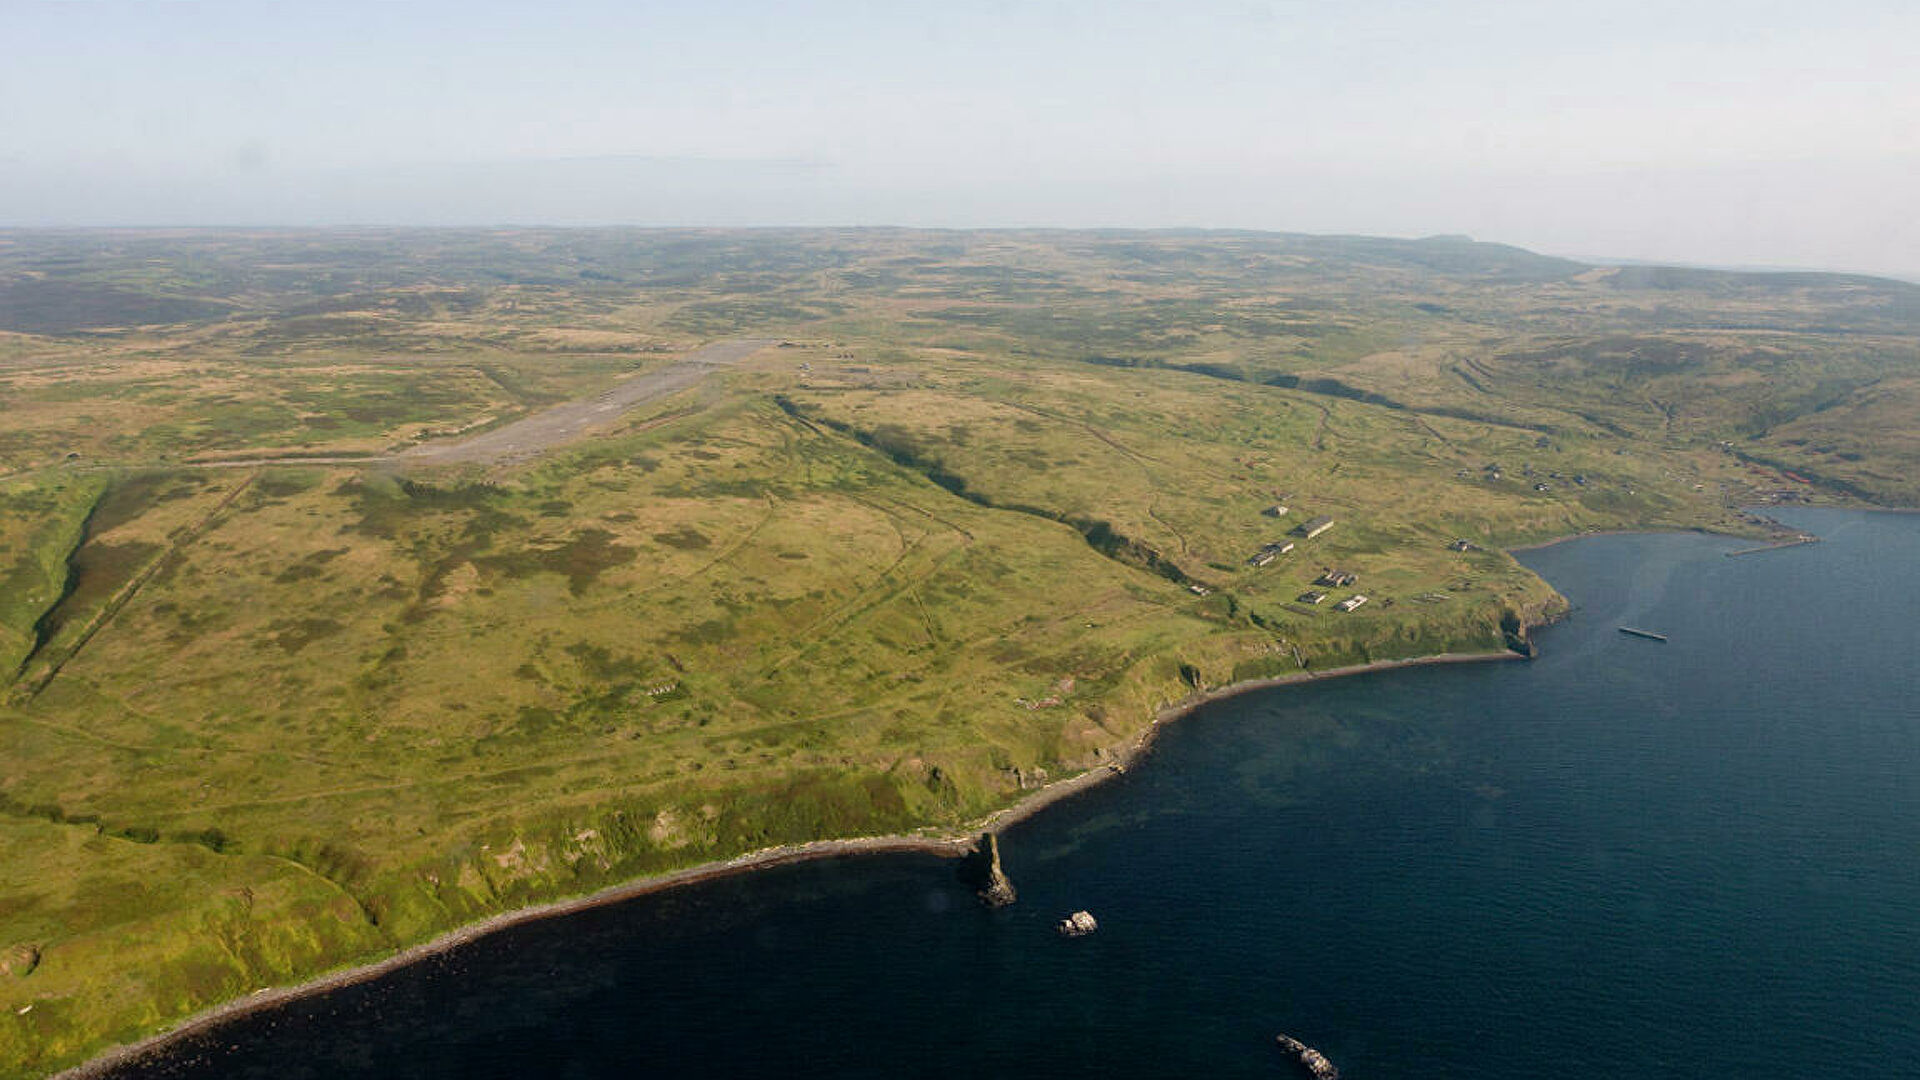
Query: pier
1803	538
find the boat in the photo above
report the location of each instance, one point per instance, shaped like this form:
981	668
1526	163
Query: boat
1648	634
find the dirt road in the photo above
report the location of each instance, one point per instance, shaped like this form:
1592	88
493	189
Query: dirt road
542	431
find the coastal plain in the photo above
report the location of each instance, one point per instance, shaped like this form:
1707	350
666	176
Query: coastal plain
297	673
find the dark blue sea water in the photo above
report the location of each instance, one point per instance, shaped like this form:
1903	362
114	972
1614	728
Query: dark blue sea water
1698	859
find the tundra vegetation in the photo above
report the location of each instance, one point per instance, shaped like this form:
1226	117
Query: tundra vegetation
274	700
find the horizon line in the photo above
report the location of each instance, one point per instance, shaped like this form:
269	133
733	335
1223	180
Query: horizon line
1908	277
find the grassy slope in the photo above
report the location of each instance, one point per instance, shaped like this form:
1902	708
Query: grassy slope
290	718
41	522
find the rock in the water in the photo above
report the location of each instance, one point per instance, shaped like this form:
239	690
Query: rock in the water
994	888
20	960
1078	924
1313	1061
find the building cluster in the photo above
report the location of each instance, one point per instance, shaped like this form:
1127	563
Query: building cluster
1329	578
1493	472
1306	530
1270	552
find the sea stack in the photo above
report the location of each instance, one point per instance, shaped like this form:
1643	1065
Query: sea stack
995	890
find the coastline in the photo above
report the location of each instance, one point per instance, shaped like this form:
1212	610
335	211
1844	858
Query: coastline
1558	540
129	1054
954	845
1757	512
1059	790
1697	531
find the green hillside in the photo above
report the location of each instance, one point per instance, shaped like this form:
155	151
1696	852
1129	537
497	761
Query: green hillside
279	698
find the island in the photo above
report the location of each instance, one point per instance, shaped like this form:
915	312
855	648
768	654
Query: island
367	588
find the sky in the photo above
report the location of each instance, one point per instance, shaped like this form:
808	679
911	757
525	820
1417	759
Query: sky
1716	132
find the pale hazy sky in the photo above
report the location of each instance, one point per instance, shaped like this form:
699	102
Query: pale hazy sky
1707	131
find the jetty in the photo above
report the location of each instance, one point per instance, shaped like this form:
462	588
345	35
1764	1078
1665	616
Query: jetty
1803	538
1312	1061
1648	634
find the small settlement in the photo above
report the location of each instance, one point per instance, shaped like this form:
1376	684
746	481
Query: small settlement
1330	578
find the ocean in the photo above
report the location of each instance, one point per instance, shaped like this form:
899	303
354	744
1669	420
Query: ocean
1697	859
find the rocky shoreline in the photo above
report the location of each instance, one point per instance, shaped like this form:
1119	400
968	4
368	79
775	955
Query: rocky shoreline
1125	759
132	1053
956	845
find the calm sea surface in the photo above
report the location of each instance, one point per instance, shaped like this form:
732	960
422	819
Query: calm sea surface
1698	859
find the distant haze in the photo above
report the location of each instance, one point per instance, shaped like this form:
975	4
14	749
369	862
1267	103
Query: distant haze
1711	131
